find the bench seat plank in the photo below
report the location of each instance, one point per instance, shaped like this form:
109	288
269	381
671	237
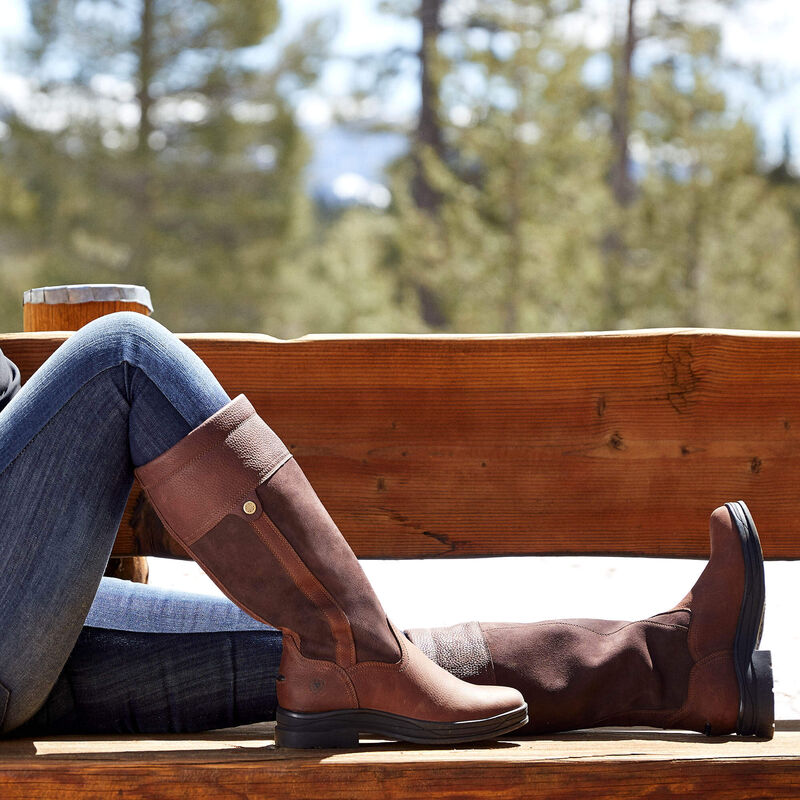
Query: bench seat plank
448	446
239	762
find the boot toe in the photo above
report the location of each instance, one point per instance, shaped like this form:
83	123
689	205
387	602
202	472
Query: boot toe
501	700
472	702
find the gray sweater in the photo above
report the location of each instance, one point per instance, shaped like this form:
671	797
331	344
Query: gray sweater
9	380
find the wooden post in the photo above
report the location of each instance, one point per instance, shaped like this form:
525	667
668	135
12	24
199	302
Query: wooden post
67	308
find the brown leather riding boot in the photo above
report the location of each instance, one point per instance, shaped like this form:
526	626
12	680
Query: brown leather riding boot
694	667
237	501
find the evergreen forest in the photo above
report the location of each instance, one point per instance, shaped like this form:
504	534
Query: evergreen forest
546	182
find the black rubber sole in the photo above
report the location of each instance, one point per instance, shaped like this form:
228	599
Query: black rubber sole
343	728
753	666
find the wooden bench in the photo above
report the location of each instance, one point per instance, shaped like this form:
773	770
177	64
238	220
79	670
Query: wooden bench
457	446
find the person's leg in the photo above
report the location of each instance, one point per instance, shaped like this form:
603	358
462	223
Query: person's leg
258	529
117	393
153	660
128	606
695	666
62	493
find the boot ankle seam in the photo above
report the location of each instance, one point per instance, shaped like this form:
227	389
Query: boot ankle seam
724	652
399	666
700	659
342	672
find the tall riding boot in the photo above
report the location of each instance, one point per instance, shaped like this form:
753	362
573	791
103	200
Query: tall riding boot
694	667
233	496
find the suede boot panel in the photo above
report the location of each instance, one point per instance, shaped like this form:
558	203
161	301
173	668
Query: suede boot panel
298	513
580	673
257	581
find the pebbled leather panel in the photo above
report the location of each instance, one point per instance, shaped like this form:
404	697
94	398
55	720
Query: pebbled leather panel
213	470
461	649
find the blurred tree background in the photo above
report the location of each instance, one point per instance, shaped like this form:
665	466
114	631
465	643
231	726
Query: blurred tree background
544	183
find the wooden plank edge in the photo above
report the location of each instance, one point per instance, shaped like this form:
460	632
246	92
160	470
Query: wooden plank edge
722	778
637	333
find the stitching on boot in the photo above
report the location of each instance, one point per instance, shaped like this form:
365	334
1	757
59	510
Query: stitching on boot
647	621
300	573
227	594
341	671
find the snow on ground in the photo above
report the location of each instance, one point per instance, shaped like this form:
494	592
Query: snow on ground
430	592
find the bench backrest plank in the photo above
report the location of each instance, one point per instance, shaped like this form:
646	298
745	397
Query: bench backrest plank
448	446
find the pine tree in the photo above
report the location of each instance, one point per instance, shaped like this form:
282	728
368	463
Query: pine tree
706	233
564	203
159	147
517	175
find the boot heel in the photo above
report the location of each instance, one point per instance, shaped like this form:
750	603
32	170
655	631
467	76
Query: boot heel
764	721
306	731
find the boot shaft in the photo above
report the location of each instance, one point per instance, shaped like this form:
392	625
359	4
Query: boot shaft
576	673
231	493
234	496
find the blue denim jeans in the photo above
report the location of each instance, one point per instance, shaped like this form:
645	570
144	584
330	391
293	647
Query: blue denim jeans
83	653
153	660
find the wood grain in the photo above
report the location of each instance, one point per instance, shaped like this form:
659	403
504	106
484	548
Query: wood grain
71	316
243	762
449	446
